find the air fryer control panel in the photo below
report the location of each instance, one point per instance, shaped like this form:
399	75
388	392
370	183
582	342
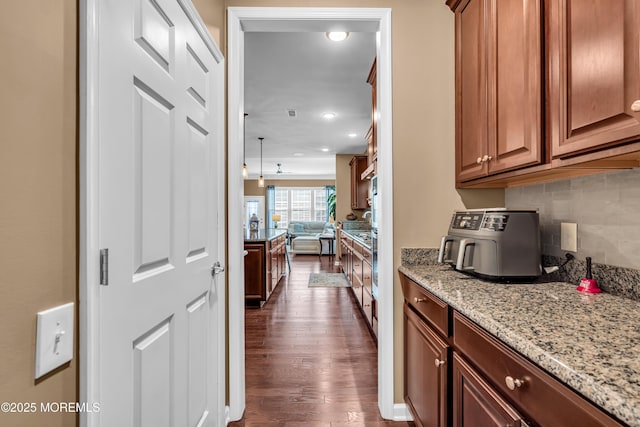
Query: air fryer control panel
479	221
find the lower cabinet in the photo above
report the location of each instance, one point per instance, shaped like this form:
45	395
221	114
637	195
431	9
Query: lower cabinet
476	403
451	364
426	364
264	265
356	265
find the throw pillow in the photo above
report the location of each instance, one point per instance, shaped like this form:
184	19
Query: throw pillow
298	228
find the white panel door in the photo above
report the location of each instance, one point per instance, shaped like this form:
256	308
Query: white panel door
160	125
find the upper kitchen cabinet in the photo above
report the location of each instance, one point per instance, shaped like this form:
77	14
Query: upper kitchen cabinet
498	86
359	187
594	74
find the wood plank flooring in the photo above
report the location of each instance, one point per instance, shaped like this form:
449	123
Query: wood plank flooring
310	360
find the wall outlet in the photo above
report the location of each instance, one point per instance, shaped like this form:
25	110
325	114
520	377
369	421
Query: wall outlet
569	236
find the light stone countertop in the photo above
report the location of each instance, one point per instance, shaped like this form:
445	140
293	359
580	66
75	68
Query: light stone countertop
591	342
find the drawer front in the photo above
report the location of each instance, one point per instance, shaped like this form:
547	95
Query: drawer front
542	398
366	305
426	304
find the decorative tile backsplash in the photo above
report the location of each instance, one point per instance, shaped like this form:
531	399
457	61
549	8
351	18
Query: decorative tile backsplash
606	208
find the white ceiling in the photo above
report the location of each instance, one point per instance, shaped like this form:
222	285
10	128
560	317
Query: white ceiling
310	74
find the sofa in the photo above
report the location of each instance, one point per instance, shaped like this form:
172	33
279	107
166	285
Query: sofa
304	236
309	228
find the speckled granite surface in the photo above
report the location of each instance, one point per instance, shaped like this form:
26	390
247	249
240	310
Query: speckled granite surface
590	342
263	234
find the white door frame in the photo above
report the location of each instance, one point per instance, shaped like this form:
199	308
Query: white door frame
89	351
239	20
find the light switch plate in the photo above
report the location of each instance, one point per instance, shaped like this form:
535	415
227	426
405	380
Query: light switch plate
569	236
54	338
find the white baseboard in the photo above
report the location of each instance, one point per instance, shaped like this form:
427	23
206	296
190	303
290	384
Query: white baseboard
401	412
227	418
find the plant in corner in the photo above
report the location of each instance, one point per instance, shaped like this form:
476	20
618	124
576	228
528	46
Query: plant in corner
331	205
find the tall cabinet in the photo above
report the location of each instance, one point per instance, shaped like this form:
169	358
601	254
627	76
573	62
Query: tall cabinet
498	86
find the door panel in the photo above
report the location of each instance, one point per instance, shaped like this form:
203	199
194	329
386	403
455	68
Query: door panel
152	376
153	141
160	104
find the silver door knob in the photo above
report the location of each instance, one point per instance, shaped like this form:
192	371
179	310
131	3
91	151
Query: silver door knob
216	269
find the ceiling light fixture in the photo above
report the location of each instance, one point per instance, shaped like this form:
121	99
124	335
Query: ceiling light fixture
261	179
325	149
329	116
337	36
353	135
245	172
279	171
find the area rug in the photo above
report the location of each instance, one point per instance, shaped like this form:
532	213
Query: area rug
328	280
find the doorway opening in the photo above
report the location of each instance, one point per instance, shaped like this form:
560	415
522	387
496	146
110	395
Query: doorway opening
246	19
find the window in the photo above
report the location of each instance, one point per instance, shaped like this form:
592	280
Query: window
300	204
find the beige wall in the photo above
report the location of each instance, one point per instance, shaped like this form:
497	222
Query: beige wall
38	196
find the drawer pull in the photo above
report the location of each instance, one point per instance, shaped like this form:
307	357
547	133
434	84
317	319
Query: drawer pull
419	300
512	383
439	363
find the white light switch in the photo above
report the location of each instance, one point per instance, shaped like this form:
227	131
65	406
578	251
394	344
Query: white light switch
54	338
569	236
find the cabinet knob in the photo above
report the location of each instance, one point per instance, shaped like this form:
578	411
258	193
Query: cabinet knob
418	300
635	106
438	363
486	158
479	160
513	383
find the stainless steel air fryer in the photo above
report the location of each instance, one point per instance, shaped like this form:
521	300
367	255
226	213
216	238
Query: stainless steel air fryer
499	243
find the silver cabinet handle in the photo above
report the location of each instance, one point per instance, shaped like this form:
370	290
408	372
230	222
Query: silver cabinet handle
438	363
635	106
479	160
513	383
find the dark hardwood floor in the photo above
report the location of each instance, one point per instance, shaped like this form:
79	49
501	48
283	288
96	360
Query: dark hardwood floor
310	360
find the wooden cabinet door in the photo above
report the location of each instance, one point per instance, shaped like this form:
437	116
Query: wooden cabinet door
514	91
476	403
359	188
498	86
594	74
471	89
425	372
254	272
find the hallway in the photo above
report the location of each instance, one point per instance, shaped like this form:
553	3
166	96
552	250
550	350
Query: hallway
310	360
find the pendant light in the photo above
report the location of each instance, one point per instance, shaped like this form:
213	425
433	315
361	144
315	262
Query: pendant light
245	173
261	179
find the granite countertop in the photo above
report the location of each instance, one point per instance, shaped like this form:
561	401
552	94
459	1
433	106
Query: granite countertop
362	236
263	235
591	342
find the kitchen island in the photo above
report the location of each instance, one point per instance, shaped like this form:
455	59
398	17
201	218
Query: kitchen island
264	264
589	342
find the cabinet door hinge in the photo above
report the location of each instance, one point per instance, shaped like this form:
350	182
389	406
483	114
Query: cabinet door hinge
104	267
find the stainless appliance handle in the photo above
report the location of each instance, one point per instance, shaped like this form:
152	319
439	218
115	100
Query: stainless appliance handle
443	243
462	249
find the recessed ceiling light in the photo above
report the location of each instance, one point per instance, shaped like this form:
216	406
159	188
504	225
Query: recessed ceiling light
329	115
353	135
337	36
325	149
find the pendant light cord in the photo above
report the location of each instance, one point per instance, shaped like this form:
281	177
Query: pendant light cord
261	138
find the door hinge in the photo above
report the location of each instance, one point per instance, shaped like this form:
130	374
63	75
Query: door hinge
104	267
